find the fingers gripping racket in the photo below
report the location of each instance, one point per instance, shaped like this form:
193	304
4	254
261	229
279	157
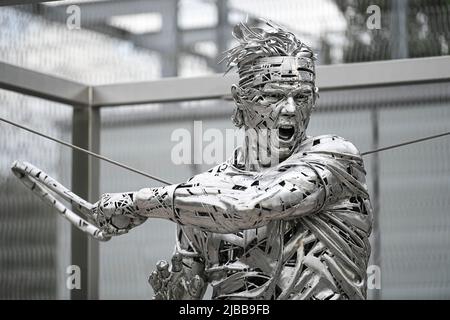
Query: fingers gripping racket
43	186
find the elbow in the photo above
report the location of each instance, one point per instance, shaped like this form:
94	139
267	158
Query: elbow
240	204
246	208
243	208
248	215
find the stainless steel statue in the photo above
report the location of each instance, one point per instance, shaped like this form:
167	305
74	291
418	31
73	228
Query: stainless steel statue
288	216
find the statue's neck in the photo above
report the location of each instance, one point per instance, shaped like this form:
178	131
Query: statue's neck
252	159
258	155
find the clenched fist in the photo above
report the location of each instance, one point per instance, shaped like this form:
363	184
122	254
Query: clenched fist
115	213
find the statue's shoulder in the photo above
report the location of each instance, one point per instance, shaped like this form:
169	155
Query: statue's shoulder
329	143
217	172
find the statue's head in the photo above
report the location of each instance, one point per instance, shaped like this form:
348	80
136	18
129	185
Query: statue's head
276	91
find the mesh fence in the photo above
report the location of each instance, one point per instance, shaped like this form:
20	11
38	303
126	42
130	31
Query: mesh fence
413	215
34	245
35	242
425	30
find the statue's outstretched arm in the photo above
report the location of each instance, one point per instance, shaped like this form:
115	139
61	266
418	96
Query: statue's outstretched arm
301	185
286	191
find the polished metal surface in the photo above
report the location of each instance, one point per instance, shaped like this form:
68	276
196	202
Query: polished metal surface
288	220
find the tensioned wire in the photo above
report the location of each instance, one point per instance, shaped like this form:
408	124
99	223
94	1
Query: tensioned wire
87	151
122	165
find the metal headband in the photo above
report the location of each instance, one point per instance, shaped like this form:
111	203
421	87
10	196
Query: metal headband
277	68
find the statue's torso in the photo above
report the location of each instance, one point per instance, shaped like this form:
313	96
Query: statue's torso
319	256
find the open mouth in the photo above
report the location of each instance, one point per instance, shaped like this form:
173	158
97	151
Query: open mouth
286	132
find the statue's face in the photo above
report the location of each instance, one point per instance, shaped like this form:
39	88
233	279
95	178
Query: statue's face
282	110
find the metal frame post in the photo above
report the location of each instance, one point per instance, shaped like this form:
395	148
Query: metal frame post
376	248
169	31
223	32
85	182
399	29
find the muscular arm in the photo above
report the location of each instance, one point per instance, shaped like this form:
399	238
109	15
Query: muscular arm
301	185
226	207
228	202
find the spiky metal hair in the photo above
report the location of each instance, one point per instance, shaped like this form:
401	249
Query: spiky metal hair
255	43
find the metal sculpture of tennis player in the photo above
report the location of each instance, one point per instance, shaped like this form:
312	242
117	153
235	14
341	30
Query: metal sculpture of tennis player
252	227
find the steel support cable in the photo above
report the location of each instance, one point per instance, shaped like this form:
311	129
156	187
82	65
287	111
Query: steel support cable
167	182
